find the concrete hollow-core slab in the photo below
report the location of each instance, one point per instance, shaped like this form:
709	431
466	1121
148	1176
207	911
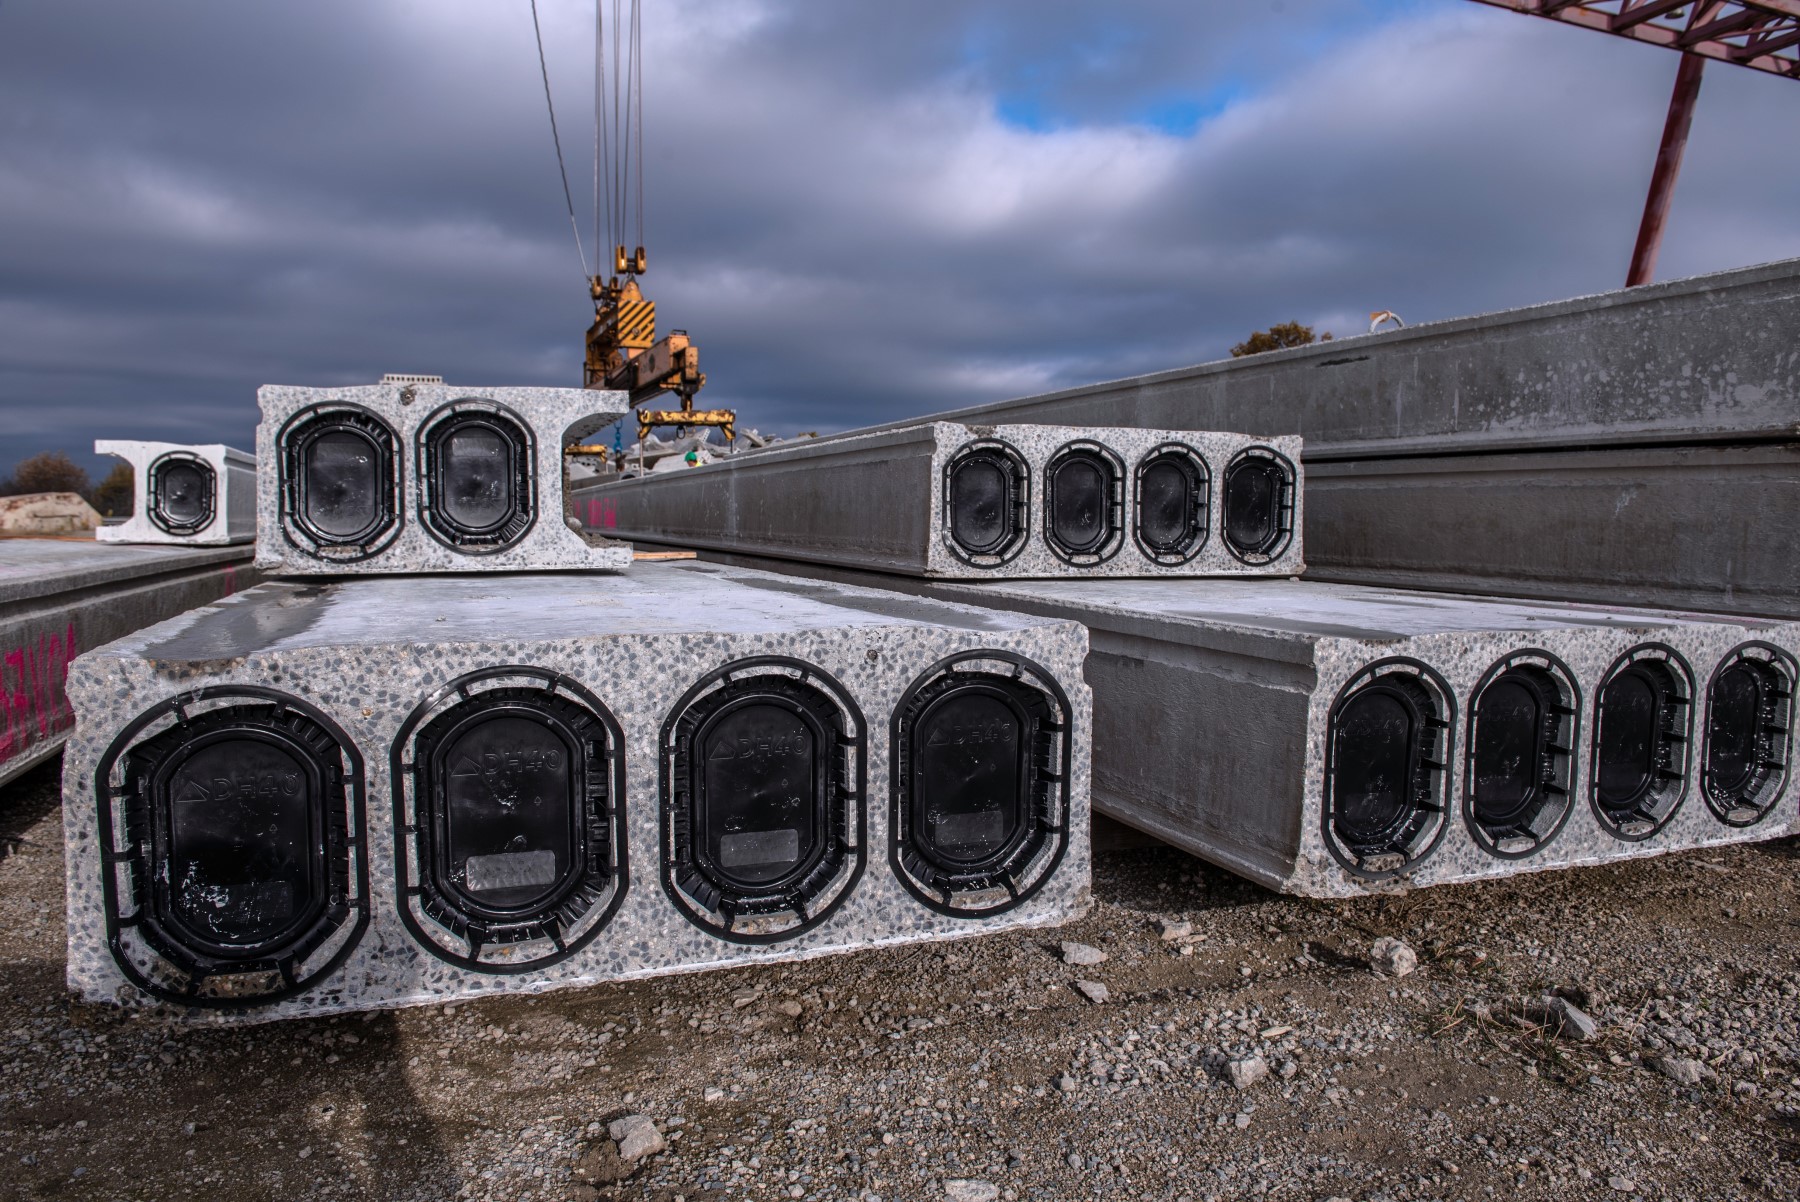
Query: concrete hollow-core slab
184	495
1329	740
390	478
986	502
60	597
322	797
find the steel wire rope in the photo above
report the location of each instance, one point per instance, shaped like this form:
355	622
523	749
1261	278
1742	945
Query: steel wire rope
561	167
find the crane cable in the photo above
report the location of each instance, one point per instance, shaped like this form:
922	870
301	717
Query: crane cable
568	196
619	124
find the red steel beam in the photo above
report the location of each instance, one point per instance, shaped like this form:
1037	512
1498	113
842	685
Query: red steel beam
1763	35
1668	167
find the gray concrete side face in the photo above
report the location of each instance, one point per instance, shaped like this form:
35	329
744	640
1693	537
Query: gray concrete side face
233	504
1253	668
41	635
1710	358
365	653
878	503
553	541
863	502
1676	527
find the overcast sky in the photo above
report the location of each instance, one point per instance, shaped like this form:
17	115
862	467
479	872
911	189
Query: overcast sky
861	211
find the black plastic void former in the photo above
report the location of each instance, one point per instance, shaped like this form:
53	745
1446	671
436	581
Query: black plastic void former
1749	733
340	482
1388	742
1643	723
987	502
979	818
509	788
1084	503
233	869
1171	503
181	493
1260	486
477	477
764	770
1520	754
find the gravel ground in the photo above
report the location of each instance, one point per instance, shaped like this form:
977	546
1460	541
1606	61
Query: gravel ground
1611	1033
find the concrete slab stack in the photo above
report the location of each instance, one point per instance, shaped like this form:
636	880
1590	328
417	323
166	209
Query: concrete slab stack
184	495
954	501
421	477
61	597
316	797
1637	447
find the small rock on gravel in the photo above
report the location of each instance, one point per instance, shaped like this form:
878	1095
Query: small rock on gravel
1093	991
1174	929
637	1137
1568	1020
1392	958
1248	1071
1680	1069
1081	955
1623	1184
958	1189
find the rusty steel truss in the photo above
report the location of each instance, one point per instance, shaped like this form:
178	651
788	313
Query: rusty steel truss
1763	35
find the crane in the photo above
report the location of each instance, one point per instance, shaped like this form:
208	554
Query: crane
623	351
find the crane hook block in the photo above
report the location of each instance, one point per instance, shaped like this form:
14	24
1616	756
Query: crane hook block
635	263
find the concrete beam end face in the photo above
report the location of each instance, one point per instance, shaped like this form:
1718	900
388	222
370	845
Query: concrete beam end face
725	767
184	495
388	478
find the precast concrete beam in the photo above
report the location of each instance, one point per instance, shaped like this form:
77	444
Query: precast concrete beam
184	495
1708	527
1329	740
985	502
319	797
60	597
1706	359
389	478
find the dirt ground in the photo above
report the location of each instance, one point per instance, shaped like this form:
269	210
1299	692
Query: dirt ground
977	1070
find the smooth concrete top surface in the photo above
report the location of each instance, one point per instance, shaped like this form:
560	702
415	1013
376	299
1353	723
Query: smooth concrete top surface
1279	618
650	599
40	567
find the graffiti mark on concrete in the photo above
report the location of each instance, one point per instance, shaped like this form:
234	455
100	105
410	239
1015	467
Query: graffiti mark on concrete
34	702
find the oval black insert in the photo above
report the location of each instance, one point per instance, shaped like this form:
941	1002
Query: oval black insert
979	778
758	804
477	468
181	493
1171	503
984	490
1749	714
1258	504
512	792
244	862
1641	723
1385	781
1735	711
1521	725
1082	502
970	796
340	469
1631	735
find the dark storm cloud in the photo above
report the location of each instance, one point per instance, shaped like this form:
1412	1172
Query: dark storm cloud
861	211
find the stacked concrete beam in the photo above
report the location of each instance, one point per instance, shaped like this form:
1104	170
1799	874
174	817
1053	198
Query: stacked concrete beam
61	597
1328	740
422	477
953	501
184	495
1634	447
316	797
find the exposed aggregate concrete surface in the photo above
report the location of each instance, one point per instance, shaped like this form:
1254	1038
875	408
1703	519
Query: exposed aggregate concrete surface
976	1071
